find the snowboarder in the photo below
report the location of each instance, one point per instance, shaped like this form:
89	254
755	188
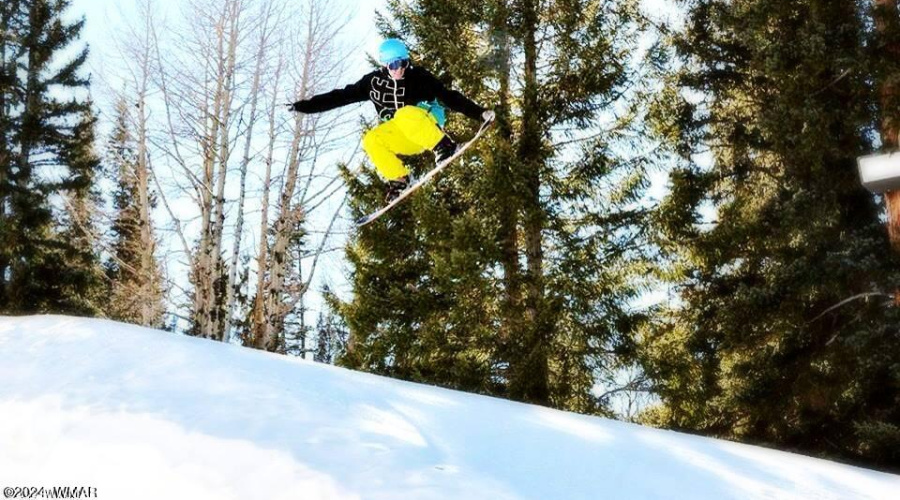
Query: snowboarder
409	103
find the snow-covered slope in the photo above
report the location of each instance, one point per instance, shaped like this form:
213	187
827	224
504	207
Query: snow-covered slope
138	413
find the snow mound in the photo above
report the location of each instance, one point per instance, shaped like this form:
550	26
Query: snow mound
143	414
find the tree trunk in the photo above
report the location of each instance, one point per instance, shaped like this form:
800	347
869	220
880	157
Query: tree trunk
210	272
147	273
5	156
230	298
260	326
509	230
270	335
28	139
886	24
532	383
220	303
203	269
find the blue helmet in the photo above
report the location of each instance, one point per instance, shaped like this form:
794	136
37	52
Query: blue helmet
392	49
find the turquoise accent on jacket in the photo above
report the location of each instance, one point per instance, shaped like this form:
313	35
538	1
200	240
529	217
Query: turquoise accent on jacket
436	110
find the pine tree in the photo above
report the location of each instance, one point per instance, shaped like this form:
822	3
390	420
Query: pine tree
87	291
779	334
46	128
137	291
331	338
11	20
510	274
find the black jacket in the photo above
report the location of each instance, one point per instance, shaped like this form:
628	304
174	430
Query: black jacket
389	95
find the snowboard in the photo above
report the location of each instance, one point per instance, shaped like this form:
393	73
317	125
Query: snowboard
366	219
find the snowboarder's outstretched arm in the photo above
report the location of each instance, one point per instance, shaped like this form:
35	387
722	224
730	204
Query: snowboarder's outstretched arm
356	92
454	99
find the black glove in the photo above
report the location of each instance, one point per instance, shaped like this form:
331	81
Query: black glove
296	107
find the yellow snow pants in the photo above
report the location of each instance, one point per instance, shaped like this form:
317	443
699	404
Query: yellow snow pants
411	131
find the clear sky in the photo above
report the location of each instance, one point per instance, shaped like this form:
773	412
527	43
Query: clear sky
103	15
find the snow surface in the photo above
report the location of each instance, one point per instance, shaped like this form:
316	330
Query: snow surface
144	414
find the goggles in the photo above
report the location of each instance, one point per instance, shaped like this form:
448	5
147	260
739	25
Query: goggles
398	63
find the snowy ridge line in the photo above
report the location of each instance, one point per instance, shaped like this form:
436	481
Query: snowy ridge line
140	414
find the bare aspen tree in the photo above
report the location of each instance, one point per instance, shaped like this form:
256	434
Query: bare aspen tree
281	285
257	333
267	42
208	96
209	266
151	288
200	86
